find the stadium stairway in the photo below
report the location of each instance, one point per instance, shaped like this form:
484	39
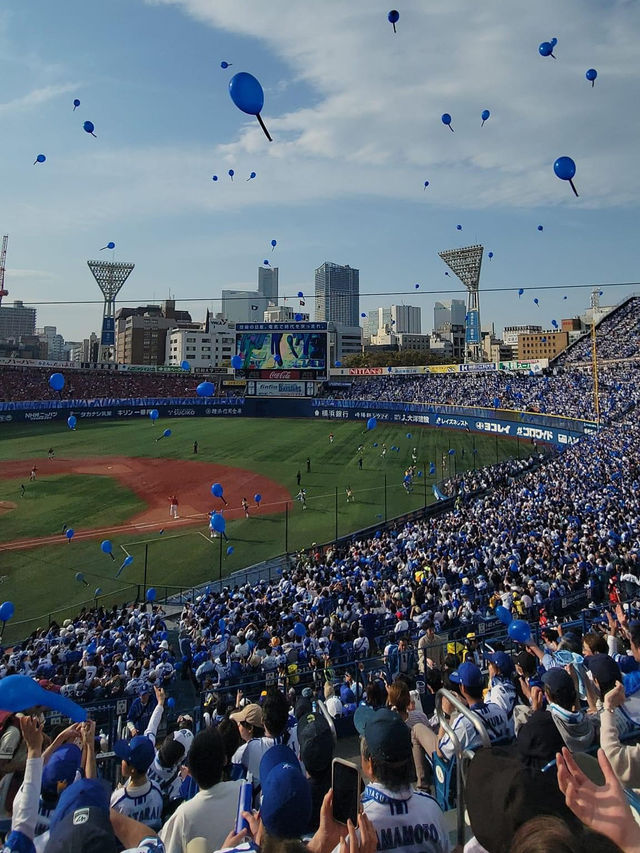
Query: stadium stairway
182	690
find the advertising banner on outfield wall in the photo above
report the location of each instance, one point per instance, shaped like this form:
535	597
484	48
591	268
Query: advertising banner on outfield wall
535	365
257	388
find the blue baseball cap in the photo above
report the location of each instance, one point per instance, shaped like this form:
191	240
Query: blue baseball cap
503	661
286	794
139	752
468	674
61	767
387	735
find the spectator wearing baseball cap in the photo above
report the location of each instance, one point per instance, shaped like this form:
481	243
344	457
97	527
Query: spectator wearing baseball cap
606	674
141	709
470	682
502	690
316	754
207	814
138	798
394	808
285	808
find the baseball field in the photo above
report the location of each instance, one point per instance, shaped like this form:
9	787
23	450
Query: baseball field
113	480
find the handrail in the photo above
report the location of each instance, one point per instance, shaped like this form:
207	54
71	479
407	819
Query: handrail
325	713
476	722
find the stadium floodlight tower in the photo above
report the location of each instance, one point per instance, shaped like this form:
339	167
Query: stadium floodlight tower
110	276
466	263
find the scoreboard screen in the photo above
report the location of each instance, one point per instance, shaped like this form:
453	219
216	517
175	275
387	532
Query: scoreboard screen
289	349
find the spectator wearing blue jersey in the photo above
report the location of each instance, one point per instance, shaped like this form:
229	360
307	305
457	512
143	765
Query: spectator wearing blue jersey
140	710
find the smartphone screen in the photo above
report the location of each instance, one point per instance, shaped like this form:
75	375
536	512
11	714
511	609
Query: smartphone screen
347	787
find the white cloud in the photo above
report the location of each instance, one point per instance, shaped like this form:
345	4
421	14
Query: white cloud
36	97
374	125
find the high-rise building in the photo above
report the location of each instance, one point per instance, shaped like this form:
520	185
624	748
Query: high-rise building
268	283
16	321
406	319
285	314
141	333
53	341
338	294
449	311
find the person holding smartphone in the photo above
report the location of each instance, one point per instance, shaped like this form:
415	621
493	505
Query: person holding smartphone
387	761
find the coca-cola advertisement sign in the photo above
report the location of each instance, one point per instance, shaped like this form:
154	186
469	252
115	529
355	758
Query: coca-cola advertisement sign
279	375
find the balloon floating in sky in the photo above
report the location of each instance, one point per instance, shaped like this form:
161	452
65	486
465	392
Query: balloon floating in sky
446	119
154	414
151	594
251	176
166	433
446	273
185	365
214	178
546	48
426	184
485	115
224	64
126	562
106	546
257	498
108	246
205	389
520	292
540	228
536	301
231	173
80	578
72	421
274	243
458	227
56	381
338	364
591	76
565	169
89	127
298	318
363	314
236	362
554	323
490	255
266	262
246	93
76	104
372	423
393	17
39	159
300	295
416	286
229	550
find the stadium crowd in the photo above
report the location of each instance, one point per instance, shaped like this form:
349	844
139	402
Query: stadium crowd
618	337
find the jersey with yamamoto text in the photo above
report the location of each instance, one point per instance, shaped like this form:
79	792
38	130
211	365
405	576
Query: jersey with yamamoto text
405	821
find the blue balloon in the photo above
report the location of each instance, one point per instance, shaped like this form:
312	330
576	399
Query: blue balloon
40	159
72	421
236	362
76	104
300	295
229	550
504	615
446	119
591	76
106	546
20	692
484	116
536	301
274	243
416	286
251	176
151	594
540	228
110	245
546	49
490	255
363	314
375	443
89	127
216	490
231	173
554	323
452	452
154	414
248	96
393	17
224	64
205	389
408	435
520	291
166	433
426	184
419	474
458	227
214	178
257	497
218	523
185	365
299	629
7	610
97	591
56	381
80	577
372	423
266	262
298	318
519	631
338	364
565	169
171	702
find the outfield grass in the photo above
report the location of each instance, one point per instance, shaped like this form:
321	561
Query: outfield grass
41	579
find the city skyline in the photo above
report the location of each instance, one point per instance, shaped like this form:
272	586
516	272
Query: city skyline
331	185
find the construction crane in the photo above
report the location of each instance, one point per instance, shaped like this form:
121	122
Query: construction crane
3	258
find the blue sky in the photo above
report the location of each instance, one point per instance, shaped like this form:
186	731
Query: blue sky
355	115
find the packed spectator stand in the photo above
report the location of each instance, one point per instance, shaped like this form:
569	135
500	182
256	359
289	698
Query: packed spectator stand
403	618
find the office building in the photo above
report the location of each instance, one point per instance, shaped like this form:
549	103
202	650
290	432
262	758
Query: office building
406	319
343	341
207	347
450	312
268	284
53	342
16	321
542	345
454	333
337	294
511	334
141	333
285	314
243	306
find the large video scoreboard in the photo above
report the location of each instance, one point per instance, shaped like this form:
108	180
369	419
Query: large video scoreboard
297	347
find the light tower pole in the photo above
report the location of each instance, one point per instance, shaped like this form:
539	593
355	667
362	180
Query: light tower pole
466	263
110	277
